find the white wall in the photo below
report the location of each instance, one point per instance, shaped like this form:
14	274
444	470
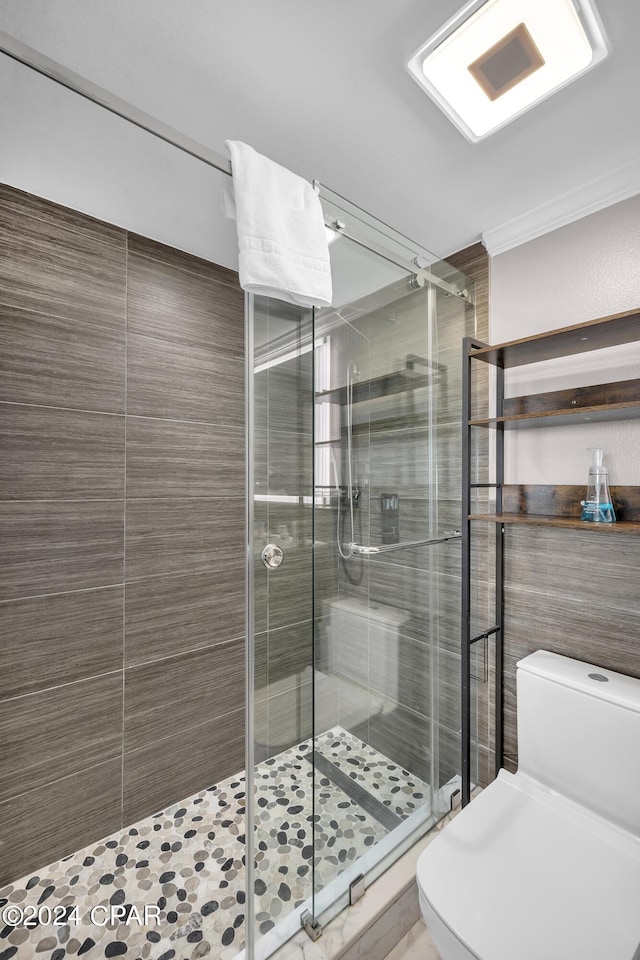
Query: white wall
57	145
586	270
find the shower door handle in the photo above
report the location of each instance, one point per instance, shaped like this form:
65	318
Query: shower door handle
272	556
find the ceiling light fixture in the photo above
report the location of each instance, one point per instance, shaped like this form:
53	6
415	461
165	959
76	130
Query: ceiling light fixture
495	59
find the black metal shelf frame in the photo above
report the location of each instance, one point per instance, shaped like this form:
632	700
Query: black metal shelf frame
496	631
568	341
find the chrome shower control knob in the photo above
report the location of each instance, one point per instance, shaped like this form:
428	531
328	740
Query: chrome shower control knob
272	556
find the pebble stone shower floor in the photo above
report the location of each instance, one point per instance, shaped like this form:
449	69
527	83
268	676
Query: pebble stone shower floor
188	861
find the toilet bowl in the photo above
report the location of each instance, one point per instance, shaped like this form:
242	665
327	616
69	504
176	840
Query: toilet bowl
544	864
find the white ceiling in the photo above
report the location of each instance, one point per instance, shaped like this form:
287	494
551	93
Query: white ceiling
322	89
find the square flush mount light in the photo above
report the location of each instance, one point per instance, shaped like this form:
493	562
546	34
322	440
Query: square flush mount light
495	59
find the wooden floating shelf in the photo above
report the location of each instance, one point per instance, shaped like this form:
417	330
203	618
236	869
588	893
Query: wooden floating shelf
544	505
619	400
614	395
412	377
573	523
610	331
384	386
627	410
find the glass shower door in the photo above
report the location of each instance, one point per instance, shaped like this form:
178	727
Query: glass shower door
280	626
387	564
354	620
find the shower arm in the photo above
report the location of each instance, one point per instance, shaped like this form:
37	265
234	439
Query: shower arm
362	551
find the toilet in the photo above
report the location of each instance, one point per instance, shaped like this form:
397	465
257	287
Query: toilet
544	864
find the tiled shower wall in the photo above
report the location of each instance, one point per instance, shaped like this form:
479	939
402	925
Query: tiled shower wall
392	449
284	598
121	515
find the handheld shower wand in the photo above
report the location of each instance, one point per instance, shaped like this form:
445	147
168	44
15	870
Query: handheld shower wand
346	550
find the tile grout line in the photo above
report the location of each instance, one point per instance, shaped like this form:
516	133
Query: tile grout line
196	726
58	686
109	586
133	666
80	500
51	406
231	284
230	496
68	776
185	652
42	312
107	413
114	241
61	593
124	522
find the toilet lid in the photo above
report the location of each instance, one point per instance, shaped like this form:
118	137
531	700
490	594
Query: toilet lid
521	873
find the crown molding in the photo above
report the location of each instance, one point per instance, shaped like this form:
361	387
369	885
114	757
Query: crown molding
618	184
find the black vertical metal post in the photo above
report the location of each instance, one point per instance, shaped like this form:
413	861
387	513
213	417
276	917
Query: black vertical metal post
499	581
465	527
467	641
468	345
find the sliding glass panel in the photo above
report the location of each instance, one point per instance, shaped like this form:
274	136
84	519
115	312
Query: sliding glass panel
281	639
386	562
354	645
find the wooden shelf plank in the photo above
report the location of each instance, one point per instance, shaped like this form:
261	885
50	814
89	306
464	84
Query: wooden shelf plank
563	500
559	506
627	410
411	377
622	526
580	338
594	396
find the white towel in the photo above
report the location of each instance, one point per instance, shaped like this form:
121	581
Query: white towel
282	239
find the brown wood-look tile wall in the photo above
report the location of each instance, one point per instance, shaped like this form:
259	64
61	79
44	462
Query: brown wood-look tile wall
121	518
396	455
573	593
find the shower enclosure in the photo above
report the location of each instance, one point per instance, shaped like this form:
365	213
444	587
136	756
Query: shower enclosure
123	761
353	621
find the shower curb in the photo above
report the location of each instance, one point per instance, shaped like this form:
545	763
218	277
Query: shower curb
371	928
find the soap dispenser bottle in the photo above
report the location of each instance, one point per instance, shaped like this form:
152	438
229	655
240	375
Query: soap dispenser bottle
598	507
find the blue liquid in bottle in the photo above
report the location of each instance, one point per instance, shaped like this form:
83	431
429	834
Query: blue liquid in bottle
598	508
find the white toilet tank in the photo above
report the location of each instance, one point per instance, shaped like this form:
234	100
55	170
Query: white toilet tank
579	734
